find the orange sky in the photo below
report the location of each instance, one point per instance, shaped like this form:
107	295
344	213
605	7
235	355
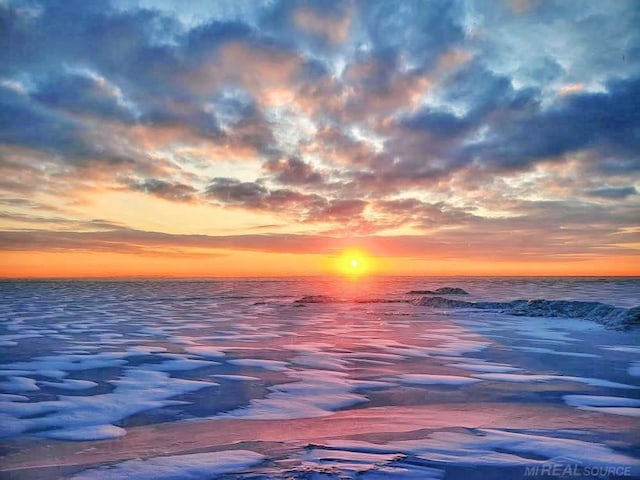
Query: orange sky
230	264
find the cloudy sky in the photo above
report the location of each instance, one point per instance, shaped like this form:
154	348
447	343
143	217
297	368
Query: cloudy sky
152	137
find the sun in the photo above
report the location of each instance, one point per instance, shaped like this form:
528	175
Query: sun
353	262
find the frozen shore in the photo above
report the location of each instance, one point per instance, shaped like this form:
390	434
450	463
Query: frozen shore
190	384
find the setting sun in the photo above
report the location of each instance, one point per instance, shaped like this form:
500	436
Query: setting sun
354	262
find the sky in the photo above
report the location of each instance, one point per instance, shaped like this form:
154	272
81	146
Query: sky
252	138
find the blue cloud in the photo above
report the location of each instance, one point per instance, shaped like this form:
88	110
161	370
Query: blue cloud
606	121
613	192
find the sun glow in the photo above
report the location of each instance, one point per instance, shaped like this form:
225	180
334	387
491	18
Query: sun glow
354	263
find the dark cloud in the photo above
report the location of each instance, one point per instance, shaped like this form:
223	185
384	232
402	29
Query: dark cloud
341	210
255	196
421	31
606	121
84	95
422	214
167	190
235	192
24	123
293	171
308	207
438	123
613	192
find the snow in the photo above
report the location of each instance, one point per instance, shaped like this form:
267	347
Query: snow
493	447
205	351
605	404
90	432
138	390
426	379
274	365
317	393
193	466
532	378
18	385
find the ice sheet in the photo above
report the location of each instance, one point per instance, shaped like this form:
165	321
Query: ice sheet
195	466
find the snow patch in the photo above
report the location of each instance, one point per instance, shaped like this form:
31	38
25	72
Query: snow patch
185	467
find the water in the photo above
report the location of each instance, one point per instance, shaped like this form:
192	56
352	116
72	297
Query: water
92	371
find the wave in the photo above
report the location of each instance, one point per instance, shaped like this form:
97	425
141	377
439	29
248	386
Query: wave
608	315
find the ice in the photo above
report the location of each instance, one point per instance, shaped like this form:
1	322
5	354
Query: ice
70	384
440	291
493	447
12	340
449	345
623	348
404	472
205	351
91	432
274	365
50	365
321	361
379	356
317	393
239	378
308	347
138	390
146	349
626	411
532	378
615	317
556	352
454	345
179	365
597	382
478	365
425	379
13	373
8	397
351	464
608	315
19	384
515	377
605	404
600	401
362	458
193	466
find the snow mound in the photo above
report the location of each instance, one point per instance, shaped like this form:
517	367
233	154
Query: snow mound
440	291
612	317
